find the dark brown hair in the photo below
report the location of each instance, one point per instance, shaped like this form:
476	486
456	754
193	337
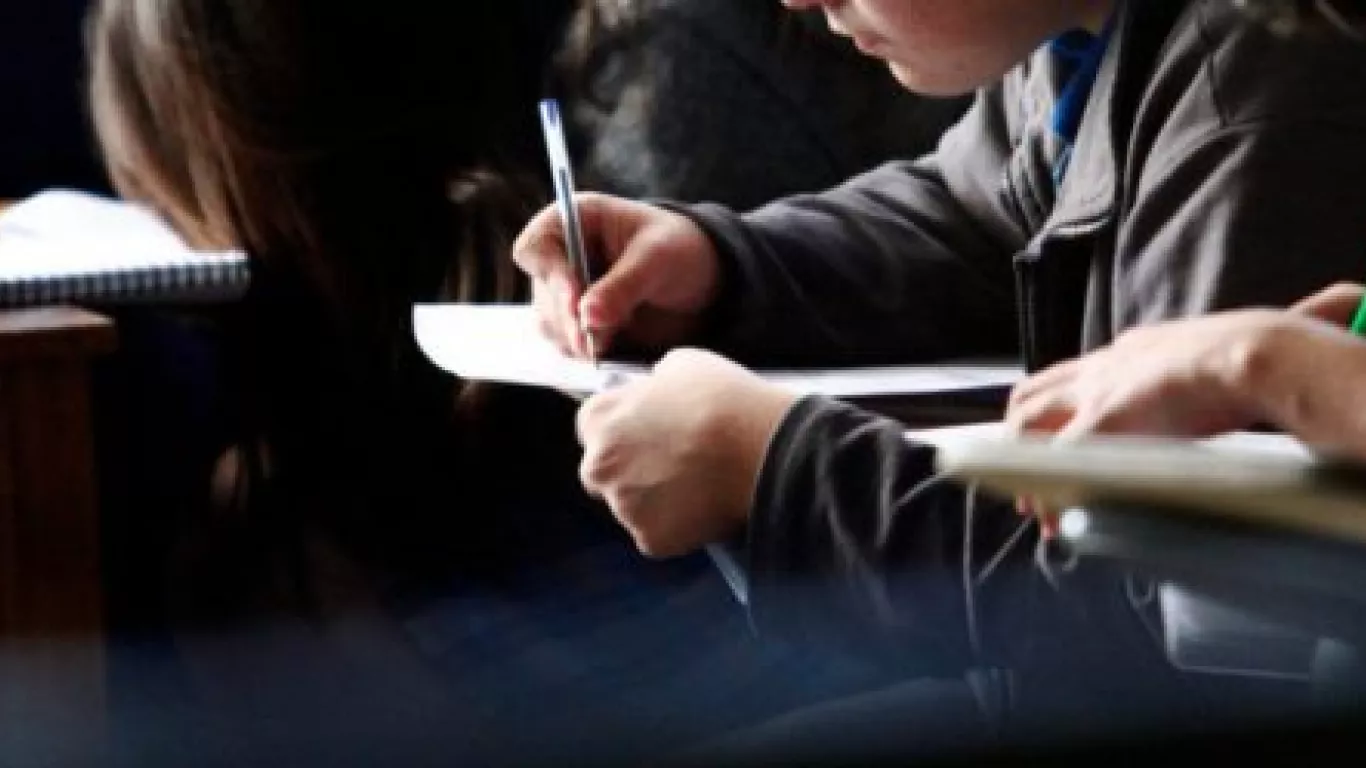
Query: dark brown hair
366	157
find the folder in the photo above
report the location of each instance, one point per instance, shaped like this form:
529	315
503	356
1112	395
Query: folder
1265	480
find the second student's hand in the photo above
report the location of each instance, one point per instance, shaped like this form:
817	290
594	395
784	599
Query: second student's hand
658	275
1187	378
677	454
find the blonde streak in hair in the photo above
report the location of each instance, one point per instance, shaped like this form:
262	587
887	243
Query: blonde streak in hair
145	114
108	95
121	113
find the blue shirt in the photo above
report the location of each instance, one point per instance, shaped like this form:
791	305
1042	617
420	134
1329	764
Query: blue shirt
1078	53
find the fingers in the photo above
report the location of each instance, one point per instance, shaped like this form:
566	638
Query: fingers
610	302
1336	304
554	304
570	312
605	472
1043	406
594	417
540	252
1047	380
1048	524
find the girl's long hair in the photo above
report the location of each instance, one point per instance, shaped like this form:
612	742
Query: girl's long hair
366	158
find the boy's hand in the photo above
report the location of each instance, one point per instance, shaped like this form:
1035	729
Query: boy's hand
677	455
1177	379
659	273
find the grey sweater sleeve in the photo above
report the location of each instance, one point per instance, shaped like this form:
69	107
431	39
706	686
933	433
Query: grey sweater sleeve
904	262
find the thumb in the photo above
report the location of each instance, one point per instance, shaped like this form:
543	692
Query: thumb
1336	304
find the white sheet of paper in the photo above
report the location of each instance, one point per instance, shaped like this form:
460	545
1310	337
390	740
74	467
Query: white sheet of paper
502	342
66	232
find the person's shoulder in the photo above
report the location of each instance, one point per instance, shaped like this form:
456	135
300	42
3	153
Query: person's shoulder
1250	74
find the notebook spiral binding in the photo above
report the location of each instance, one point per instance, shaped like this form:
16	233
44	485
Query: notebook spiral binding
202	278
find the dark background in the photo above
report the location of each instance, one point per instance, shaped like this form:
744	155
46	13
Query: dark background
45	138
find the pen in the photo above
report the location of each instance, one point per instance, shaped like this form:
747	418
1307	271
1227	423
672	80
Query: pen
1359	320
562	176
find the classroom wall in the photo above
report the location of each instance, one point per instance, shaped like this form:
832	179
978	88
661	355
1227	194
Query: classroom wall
44	136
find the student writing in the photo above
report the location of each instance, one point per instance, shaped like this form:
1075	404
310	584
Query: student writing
1149	161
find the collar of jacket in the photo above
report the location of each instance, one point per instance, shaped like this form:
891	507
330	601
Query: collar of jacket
1087	198
1090	194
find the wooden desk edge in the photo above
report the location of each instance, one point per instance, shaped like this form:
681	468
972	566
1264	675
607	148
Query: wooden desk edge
54	332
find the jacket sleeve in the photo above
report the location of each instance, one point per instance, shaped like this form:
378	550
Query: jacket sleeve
856	546
923	269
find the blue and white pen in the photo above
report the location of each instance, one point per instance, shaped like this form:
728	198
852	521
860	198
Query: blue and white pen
562	175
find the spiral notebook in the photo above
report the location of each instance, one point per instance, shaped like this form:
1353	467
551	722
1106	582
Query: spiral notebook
64	246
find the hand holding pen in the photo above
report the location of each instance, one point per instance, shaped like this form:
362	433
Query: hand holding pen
648	279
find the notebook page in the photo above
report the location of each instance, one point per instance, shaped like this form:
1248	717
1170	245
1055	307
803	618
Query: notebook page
61	214
68	233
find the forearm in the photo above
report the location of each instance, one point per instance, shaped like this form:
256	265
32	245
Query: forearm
912	260
853	545
885	268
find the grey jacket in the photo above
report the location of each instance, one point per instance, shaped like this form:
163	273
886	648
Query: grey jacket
1216	166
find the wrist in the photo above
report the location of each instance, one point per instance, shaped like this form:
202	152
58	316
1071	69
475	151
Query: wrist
720	302
1255	375
747	430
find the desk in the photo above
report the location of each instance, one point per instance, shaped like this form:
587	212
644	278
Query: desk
52	658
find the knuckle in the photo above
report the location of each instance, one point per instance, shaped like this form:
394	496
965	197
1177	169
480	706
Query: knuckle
590	473
648	547
538	250
679	357
651	544
588	417
598	471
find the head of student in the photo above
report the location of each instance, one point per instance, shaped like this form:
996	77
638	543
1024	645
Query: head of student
365	157
948	47
292	128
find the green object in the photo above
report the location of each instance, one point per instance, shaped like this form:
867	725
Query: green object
1359	320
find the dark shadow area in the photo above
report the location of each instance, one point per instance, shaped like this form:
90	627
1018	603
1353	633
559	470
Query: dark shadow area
45	139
